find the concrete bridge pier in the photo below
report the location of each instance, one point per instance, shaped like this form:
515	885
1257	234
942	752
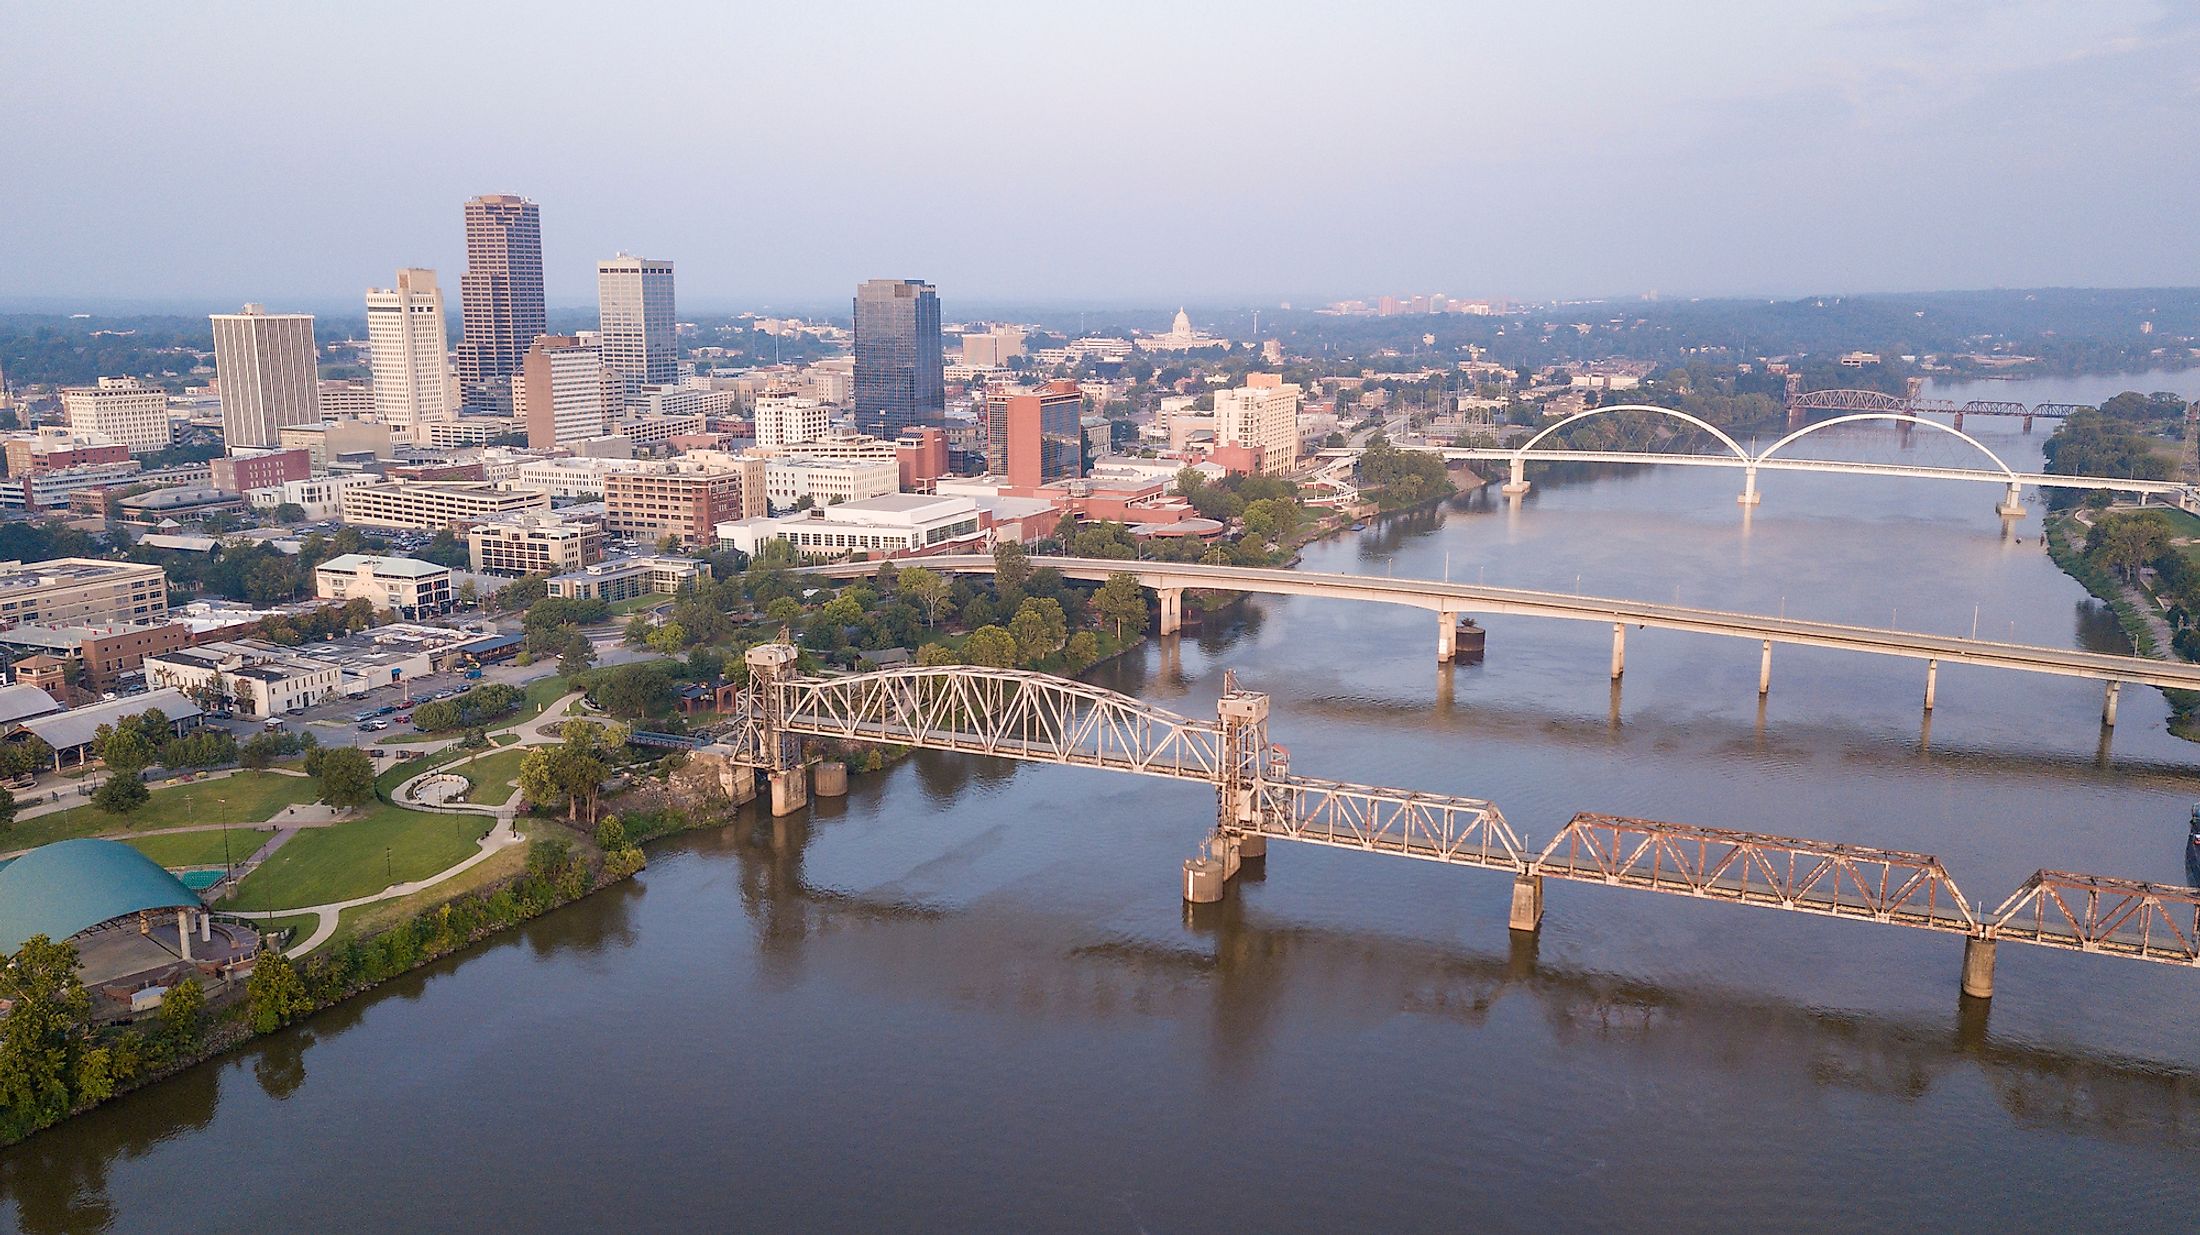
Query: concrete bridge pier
1447	636
1764	671
790	789
1619	649
2028	422
1749	495
1172	609
2108	705
2012	503
1932	679
1527	903
1978	967
1518	484
1207	874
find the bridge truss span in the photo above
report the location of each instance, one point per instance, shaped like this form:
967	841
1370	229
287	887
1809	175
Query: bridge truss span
1401	822
1753	868
2100	913
1007	713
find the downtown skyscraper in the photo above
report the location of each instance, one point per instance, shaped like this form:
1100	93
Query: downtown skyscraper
500	296
269	374
898	381
406	344
634	306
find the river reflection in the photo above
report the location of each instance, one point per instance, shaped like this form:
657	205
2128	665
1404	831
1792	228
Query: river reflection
968	997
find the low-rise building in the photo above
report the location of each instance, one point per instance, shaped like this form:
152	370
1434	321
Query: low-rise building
534	544
97	657
433	505
246	677
685	498
577	479
828	482
329	441
785	419
50	489
406	586
320	497
177	503
73	733
77	591
899	524
260	469
50	448
630	577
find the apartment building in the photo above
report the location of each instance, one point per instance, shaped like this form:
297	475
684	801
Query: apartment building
1262	418
686	498
434	504
76	591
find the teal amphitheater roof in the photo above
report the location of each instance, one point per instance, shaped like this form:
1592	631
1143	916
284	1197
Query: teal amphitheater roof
70	886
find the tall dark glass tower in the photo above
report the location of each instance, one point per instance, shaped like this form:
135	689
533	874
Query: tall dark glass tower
898	383
501	298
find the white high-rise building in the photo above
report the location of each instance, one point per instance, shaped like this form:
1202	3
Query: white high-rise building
408	345
784	419
1262	414
562	392
634	302
122	409
269	373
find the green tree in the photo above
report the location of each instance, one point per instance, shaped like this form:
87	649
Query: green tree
1011	566
990	646
182	1018
784	610
1039	628
934	654
123	794
7	810
927	589
276	995
1081	651
1122	602
290	512
127	751
577	655
347	777
670	639
46	1028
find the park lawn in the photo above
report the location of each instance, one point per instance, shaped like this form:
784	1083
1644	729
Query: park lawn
387	845
202	848
363	920
246	797
299	925
541	693
634	604
492	776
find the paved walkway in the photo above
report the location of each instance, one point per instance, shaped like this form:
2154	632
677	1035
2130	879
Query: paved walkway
500	838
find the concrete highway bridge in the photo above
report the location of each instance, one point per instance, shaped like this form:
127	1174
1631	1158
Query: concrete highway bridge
1039	718
1450	601
1734	456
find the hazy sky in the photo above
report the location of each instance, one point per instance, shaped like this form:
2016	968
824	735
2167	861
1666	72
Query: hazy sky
1106	152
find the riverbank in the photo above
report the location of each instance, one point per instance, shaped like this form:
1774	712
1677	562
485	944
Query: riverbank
2142	627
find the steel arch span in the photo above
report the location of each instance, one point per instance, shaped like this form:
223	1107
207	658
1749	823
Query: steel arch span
1521	452
1008	713
1898	417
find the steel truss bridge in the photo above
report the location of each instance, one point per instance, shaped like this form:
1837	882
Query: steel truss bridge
1800	406
1733	455
1039	718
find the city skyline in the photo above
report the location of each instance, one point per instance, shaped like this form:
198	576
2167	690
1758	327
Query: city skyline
1717	151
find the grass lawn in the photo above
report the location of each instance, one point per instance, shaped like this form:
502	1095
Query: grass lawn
540	695
202	848
632	604
387	845
380	916
299	925
492	776
247	797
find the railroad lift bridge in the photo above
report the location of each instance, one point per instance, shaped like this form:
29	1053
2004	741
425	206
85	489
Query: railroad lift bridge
1040	718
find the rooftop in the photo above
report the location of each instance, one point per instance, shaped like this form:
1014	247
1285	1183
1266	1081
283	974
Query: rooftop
73	728
68	887
410	568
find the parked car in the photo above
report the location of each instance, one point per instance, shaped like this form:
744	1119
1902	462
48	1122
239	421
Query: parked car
378	725
386	709
363	718
403	718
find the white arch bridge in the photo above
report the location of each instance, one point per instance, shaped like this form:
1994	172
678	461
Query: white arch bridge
1732	454
1039	718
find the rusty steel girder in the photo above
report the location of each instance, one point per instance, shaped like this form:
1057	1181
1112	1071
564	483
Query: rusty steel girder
2102	913
1752	868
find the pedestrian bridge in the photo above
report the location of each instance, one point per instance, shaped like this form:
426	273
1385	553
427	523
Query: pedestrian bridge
1040	718
1732	455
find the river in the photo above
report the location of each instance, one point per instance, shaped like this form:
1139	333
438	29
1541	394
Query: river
968	996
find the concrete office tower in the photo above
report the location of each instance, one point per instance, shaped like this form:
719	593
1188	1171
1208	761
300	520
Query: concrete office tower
634	306
501	297
898	381
562	391
268	370
122	409
406	343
